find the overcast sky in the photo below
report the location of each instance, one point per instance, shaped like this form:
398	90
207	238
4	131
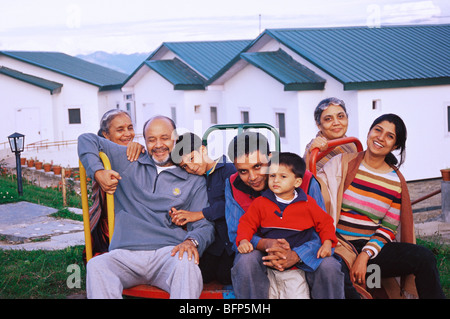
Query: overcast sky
118	26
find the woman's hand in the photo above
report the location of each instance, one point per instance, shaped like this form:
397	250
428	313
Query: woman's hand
319	142
134	150
359	269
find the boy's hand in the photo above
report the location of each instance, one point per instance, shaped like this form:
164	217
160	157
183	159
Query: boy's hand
245	246
182	217
325	249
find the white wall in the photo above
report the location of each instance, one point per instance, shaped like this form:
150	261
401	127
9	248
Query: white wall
253	90
423	109
26	109
155	96
308	100
74	94
50	112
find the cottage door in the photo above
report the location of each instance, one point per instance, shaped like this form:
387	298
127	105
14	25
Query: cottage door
28	122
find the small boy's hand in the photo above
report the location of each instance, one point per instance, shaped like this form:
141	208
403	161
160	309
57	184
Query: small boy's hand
325	249
245	246
181	217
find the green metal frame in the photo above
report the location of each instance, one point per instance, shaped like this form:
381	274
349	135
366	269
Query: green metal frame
241	128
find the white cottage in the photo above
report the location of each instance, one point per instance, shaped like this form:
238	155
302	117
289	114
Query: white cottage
282	76
171	82
51	96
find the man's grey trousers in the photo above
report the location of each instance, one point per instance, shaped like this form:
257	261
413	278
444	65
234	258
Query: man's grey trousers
110	273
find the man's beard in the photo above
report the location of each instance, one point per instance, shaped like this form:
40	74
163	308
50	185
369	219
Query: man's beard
165	161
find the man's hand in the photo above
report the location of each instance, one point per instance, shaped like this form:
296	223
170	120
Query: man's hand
108	180
279	255
189	247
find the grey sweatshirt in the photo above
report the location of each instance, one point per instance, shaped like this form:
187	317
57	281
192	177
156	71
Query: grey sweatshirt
143	198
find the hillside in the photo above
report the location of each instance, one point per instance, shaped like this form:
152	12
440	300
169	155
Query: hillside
126	63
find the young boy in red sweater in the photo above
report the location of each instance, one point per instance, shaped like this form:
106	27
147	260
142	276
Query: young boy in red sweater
285	211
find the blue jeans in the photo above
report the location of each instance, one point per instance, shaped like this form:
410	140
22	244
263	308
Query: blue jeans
249	277
327	282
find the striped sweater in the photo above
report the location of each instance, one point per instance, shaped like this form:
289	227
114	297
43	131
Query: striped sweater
371	208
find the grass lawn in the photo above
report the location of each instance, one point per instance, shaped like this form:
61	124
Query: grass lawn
41	274
50	197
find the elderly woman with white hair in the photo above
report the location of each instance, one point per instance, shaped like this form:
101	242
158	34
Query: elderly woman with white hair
331	119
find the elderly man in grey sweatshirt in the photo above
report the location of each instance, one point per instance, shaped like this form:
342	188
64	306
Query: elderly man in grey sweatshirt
146	247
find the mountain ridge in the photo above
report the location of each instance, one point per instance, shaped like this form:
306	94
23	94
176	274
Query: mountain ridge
126	63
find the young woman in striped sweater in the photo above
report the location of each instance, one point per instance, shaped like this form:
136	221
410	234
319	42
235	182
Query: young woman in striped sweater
368	198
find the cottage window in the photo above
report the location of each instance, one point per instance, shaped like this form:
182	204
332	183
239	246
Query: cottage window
448	118
376	105
245	117
213	111
173	113
281	124
74	116
197	108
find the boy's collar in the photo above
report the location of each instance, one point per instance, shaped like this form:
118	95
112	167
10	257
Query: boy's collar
301	197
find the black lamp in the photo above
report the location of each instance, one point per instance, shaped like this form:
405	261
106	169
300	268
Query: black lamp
17	143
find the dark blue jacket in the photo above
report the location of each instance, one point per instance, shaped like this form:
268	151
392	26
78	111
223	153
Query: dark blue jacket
215	212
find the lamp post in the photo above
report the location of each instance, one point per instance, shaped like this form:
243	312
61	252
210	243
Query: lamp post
16	141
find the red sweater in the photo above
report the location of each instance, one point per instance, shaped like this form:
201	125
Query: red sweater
294	223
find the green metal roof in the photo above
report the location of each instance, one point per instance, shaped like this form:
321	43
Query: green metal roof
206	57
53	87
281	66
179	74
104	78
371	58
